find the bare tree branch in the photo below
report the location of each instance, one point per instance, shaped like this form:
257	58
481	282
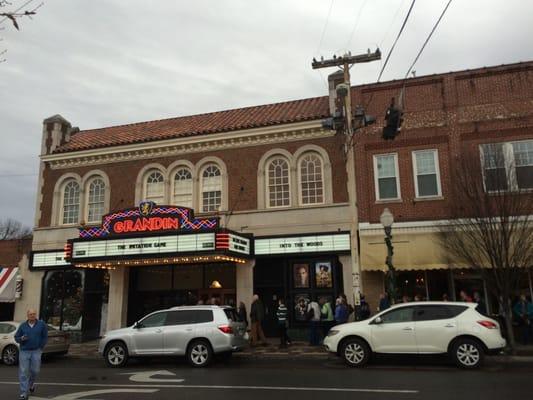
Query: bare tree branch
11	229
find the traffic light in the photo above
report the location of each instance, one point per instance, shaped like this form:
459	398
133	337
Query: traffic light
394	120
335	123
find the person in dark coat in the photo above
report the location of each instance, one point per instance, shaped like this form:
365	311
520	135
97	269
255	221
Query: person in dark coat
384	302
241	313
257	314
363	310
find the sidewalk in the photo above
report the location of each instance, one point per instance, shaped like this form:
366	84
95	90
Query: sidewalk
295	350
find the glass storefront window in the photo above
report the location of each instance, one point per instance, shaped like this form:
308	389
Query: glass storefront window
224	274
154	278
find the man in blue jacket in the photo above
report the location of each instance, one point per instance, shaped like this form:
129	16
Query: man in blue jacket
32	336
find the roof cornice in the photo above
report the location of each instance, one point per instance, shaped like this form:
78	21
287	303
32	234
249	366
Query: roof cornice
188	145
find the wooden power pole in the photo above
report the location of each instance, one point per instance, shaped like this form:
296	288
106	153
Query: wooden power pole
346	62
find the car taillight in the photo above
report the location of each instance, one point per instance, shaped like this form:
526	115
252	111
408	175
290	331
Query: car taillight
488	324
226	329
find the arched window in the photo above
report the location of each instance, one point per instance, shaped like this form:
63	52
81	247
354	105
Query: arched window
95	200
71	202
278	183
311	180
211	189
183	188
155	187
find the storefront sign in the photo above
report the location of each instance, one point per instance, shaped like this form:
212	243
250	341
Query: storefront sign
303	244
49	259
233	242
152	245
149	217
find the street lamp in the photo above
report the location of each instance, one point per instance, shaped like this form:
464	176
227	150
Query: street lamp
387	219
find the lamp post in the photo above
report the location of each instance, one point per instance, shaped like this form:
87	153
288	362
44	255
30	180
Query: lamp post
387	219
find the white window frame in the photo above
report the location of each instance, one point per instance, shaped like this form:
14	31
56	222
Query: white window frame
62	209
376	178
509	164
300	180
88	198
145	185
437	172
202	187
173	191
267	182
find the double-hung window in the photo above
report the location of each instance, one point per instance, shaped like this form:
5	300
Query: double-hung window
507	166
426	173
386	177
211	189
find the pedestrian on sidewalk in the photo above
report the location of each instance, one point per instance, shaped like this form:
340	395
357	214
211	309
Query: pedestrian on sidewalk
384	302
32	336
363	311
341	311
257	314
313	313
326	315
523	311
241	314
283	323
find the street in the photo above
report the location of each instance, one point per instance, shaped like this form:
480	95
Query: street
244	377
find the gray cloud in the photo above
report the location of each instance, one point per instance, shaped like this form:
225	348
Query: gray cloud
103	63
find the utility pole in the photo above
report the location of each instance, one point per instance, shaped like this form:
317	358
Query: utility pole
346	61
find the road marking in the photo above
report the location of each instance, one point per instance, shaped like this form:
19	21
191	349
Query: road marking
279	388
79	395
146	376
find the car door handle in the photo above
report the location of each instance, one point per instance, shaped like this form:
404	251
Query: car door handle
449	326
158	330
407	328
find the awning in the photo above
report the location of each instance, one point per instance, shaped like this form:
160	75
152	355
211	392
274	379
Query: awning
8	284
412	251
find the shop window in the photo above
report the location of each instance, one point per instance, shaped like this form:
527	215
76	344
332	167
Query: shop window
154	278
211	189
62	302
71	203
387	181
155	187
96	200
278	183
220	276
412	285
188	277
426	171
311	180
183	188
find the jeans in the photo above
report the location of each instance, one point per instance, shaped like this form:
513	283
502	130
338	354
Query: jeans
314	336
29	367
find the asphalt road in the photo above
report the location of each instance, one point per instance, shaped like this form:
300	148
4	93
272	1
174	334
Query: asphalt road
245	378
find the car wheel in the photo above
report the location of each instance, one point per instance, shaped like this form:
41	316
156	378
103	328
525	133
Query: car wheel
10	355
199	353
355	352
467	353
116	354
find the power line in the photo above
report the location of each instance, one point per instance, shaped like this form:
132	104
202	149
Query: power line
18	9
429	37
356	23
391	24
324	29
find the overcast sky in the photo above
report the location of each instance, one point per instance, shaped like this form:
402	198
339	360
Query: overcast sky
100	63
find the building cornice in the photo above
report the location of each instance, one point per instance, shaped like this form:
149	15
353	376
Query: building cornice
194	144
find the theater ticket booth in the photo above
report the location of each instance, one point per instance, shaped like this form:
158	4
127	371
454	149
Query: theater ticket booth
162	256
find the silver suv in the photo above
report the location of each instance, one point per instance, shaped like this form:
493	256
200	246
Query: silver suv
198	332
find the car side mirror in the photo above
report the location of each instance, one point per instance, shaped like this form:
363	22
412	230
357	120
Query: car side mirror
377	320
137	325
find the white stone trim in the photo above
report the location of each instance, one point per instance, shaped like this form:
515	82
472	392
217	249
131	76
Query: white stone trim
189	145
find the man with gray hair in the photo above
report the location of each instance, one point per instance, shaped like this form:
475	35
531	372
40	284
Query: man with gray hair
32	336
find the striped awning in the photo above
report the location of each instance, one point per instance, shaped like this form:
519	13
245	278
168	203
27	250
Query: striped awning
8	284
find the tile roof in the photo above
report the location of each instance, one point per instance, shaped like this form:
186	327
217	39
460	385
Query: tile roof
201	124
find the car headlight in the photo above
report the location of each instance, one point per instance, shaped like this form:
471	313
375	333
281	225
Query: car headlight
332	332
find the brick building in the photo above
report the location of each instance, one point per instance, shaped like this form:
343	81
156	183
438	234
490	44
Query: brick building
261	201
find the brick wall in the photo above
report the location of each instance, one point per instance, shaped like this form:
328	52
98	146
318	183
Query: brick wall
11	251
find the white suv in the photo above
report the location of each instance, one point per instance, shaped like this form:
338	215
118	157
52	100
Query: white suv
419	328
197	332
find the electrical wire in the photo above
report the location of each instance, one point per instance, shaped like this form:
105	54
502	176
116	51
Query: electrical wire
324	29
356	23
18	9
427	39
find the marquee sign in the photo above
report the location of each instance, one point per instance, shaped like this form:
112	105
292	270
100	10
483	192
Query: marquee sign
194	243
149	217
303	244
49	259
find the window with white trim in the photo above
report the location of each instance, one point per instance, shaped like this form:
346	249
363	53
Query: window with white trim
386	177
211	189
71	202
95	200
278	183
154	189
426	171
183	188
507	166
311	181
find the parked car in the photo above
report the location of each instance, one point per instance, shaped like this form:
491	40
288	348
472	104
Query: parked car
456	329
198	332
58	342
